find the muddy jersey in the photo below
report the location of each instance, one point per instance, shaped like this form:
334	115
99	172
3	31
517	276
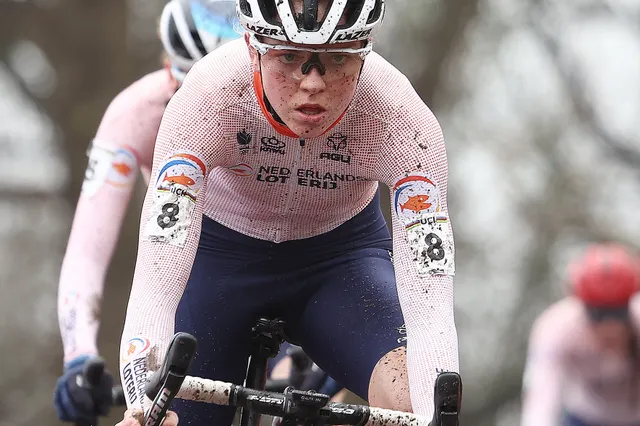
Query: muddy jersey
123	145
568	372
218	155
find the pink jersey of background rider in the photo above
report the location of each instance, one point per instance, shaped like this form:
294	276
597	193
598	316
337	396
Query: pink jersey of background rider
123	145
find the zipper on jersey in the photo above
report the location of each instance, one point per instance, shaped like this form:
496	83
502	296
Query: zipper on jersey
292	186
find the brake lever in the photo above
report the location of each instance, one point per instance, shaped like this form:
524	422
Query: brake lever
447	398
165	383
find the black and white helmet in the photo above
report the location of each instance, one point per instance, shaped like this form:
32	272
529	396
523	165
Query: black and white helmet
344	21
189	29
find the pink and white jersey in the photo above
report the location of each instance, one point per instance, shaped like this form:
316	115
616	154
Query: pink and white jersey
567	371
123	144
218	155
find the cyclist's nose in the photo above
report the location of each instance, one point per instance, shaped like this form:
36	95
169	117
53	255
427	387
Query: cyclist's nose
312	81
314	61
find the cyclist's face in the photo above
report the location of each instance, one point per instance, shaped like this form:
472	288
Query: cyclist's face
612	334
309	91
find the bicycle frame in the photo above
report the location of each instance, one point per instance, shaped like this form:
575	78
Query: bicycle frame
268	335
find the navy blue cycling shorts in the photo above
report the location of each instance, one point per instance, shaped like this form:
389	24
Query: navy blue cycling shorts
573	420
336	292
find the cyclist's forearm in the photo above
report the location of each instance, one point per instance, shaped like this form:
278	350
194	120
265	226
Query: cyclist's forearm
162	271
78	305
544	378
423	251
432	340
166	254
94	234
535	417
540	408
542	391
184	154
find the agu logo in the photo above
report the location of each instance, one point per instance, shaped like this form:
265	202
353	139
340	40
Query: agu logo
415	194
135	347
182	169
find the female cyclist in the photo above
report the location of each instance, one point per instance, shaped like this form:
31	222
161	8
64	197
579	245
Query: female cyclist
123	145
583	365
264	198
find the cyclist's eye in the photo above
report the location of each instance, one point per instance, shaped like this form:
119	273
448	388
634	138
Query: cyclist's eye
339	59
288	58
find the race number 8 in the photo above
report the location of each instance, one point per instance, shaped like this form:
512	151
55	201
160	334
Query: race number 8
434	246
168	217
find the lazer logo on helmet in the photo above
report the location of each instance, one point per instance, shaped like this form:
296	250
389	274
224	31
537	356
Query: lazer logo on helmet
357	35
265	31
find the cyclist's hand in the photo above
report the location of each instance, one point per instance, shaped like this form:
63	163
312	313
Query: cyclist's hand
135	417
76	400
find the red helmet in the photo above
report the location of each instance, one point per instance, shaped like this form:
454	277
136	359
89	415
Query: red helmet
606	275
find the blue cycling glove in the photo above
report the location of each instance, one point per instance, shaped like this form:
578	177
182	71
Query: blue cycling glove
77	400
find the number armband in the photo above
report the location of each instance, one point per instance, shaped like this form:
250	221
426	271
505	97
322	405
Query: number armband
98	167
431	241
178	183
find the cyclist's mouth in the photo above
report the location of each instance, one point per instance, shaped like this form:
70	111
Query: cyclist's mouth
310	114
310	109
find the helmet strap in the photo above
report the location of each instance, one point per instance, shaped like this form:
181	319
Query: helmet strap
267	104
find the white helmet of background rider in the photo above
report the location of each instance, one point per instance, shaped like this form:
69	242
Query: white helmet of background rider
189	29
275	19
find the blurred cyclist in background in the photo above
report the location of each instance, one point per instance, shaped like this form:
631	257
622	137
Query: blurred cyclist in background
123	145
583	365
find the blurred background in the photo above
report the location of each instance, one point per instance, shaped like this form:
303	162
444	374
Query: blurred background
539	102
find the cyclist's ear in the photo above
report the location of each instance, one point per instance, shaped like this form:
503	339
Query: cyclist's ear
253	54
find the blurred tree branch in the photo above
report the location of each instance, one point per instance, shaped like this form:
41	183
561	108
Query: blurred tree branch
574	81
547	227
85	42
439	43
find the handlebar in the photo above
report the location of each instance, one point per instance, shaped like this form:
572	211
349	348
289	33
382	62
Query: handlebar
172	382
305	404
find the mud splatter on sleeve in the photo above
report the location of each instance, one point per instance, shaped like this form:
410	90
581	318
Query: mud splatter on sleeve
413	163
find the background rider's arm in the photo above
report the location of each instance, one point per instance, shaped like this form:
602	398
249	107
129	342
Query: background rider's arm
128	127
413	163
544	374
187	148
